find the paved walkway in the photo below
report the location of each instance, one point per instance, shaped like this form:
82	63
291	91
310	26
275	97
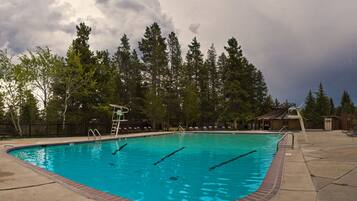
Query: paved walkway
331	158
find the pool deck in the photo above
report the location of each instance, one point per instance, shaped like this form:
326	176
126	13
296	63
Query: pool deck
321	167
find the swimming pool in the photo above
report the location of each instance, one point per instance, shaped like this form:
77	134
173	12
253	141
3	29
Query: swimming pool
204	166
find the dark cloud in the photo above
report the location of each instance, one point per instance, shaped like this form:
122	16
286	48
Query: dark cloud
25	24
127	16
194	27
130	5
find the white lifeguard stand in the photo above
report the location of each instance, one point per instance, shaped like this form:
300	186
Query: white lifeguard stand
294	113
117	117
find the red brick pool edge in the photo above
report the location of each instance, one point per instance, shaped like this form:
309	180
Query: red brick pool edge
272	180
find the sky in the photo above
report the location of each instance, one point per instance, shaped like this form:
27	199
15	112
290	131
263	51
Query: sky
295	43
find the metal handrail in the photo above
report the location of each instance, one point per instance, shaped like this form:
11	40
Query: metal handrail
98	133
181	129
282	138
283	128
92	132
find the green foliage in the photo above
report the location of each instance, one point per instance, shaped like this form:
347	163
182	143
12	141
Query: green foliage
158	86
191	110
40	65
72	83
310	114
174	81
2	107
154	56
347	106
14	79
29	112
153	107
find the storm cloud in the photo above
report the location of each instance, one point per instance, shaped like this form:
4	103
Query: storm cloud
297	44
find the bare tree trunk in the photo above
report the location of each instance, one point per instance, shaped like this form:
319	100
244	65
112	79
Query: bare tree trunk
65	111
16	122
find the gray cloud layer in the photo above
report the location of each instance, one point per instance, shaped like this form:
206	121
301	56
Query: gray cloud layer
25	24
296	43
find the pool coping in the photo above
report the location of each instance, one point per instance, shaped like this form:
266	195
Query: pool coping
272	181
266	191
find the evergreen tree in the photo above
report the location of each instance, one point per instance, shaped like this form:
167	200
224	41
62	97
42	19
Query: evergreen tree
260	97
347	106
236	99
332	107
199	73
154	55
190	104
268	104
322	105
194	61
80	45
88	103
29	112
174	81
214	88
309	112
221	67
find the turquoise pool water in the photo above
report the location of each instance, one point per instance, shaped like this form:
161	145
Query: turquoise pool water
185	175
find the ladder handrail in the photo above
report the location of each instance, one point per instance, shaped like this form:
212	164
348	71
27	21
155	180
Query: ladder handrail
181	129
283	128
98	133
282	138
92	132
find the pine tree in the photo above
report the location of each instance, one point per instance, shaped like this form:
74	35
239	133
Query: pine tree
322	105
309	112
80	45
221	67
194	61
332	107
174	81
154	55
268	104
261	93
347	106
190	104
214	88
237	107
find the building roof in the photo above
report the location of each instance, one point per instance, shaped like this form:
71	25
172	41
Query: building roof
275	114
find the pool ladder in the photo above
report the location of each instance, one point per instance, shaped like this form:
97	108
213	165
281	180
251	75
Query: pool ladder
95	133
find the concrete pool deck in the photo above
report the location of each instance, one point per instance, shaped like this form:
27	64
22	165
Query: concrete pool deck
322	167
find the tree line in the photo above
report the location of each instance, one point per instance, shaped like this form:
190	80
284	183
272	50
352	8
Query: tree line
155	80
318	105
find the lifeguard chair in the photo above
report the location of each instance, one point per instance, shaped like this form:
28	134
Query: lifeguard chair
117	117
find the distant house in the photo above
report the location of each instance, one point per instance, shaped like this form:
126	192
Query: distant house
277	119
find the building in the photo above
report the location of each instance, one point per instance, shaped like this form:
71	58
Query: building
279	118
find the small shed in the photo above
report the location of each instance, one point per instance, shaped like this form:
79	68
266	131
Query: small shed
277	119
332	123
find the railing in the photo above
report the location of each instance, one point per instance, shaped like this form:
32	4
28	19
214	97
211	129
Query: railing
95	133
282	138
283	128
98	133
181	129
